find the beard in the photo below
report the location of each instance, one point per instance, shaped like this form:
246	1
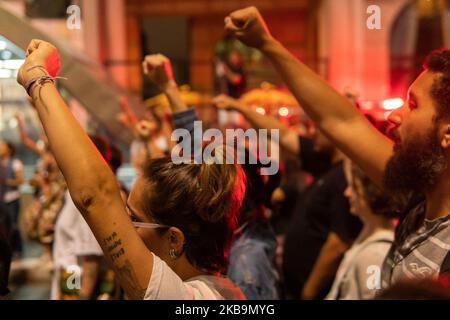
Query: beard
415	166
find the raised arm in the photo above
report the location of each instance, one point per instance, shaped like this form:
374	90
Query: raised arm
158	68
127	117
288	139
331	112
91	183
26	140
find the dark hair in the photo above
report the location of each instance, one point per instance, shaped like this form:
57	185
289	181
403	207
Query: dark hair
439	62
258	192
202	200
379	201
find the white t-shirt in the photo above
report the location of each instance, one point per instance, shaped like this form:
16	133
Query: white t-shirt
12	195
363	261
73	239
165	284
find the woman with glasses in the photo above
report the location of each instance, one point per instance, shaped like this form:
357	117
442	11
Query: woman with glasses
184	215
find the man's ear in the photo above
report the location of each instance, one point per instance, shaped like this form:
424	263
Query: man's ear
445	143
176	239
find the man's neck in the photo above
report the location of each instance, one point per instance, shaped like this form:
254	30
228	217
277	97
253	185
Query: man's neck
438	200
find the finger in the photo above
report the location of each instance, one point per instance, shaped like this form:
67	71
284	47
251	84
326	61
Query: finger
230	26
240	17
34	44
145	67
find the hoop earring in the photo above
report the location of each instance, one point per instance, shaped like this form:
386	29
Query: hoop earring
172	254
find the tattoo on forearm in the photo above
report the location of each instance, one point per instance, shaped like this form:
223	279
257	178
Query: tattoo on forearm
113	246
130	282
126	273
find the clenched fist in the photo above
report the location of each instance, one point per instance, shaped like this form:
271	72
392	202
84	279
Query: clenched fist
42	59
157	67
249	27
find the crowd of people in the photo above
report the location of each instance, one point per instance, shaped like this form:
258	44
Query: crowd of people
369	216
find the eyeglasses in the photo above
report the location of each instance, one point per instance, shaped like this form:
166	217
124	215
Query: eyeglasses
149	225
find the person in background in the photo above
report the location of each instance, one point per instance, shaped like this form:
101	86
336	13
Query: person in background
12	178
76	251
252	255
231	74
151	134
358	275
40	215
321	228
414	165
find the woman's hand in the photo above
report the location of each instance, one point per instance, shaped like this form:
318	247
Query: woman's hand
42	59
158	68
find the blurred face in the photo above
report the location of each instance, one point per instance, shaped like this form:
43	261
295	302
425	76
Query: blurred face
419	159
155	240
354	193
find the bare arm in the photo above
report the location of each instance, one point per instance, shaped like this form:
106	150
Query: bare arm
158	68
91	183
127	117
288	139
332	113
26	140
325	266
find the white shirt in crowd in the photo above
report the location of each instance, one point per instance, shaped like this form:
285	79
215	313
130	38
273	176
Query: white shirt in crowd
73	240
165	284
363	261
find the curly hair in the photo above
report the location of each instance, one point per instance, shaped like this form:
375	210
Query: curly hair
439	62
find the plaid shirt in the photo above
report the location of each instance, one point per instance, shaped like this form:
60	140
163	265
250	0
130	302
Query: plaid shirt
421	248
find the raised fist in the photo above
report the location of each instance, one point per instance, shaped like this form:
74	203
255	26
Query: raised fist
41	59
157	67
249	27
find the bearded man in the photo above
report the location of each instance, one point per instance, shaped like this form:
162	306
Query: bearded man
415	164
